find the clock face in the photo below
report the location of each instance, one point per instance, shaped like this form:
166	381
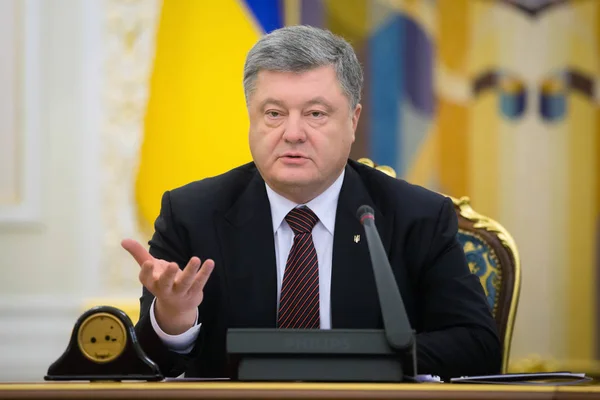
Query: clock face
102	337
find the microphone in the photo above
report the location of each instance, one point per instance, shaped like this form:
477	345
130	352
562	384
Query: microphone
398	331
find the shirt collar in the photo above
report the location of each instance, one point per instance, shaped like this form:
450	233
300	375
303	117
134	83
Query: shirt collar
324	205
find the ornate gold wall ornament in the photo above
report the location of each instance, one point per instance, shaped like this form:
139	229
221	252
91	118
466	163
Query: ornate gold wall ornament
129	37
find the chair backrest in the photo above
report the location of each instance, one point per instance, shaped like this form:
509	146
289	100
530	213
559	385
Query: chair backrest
492	255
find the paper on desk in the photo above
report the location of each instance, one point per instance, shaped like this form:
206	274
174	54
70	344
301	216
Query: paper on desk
428	379
563	378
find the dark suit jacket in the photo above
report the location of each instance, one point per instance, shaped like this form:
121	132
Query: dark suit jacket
227	218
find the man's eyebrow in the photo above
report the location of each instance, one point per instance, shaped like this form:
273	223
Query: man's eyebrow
320	100
314	101
273	101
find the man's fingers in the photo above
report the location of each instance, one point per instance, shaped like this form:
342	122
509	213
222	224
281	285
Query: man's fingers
167	277
146	275
203	275
138	252
189	273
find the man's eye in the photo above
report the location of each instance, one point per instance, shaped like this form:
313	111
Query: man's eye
316	114
273	114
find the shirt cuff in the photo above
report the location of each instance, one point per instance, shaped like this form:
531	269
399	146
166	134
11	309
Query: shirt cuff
182	343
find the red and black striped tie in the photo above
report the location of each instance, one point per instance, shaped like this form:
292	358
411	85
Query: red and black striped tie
299	300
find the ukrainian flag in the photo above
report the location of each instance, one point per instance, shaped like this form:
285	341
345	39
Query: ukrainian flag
196	123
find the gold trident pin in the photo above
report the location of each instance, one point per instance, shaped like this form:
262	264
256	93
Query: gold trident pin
356	238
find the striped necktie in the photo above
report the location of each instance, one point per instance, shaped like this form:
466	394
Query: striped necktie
299	300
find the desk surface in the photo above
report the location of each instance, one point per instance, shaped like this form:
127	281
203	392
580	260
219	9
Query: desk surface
237	390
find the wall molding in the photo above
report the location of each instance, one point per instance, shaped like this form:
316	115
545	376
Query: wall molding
27	209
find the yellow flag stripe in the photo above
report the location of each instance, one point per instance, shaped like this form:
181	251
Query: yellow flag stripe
196	121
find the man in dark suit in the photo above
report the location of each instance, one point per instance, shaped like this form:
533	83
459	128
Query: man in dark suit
280	240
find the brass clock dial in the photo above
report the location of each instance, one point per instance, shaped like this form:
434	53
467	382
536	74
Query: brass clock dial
102	337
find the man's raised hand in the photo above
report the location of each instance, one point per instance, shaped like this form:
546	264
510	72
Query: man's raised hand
178	292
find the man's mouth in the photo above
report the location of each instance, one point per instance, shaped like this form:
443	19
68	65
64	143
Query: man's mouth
293	155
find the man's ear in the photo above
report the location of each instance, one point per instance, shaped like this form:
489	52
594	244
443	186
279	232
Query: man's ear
356	116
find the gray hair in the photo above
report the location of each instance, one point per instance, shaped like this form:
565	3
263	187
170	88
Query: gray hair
301	48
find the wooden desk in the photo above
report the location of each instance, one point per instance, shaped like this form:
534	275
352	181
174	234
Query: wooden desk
229	390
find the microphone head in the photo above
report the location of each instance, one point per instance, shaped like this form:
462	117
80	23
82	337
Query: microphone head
365	211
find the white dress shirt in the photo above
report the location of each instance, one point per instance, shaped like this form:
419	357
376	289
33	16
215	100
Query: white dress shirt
325	207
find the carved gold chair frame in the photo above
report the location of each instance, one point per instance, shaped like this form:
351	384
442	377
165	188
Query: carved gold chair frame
492	254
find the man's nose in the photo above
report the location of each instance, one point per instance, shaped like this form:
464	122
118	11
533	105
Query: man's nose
294	130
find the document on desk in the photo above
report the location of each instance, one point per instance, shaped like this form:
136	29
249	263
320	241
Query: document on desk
428	379
541	378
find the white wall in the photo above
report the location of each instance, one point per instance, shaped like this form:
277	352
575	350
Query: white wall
50	262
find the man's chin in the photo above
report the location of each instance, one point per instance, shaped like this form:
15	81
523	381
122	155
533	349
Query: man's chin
295	179
296	187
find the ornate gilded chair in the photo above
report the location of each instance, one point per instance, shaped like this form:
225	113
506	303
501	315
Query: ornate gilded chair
492	255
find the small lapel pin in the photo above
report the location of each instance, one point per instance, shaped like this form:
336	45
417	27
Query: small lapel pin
356	238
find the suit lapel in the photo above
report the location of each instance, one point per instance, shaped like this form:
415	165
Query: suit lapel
354	301
247	245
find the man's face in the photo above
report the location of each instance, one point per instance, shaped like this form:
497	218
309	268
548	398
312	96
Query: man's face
301	130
